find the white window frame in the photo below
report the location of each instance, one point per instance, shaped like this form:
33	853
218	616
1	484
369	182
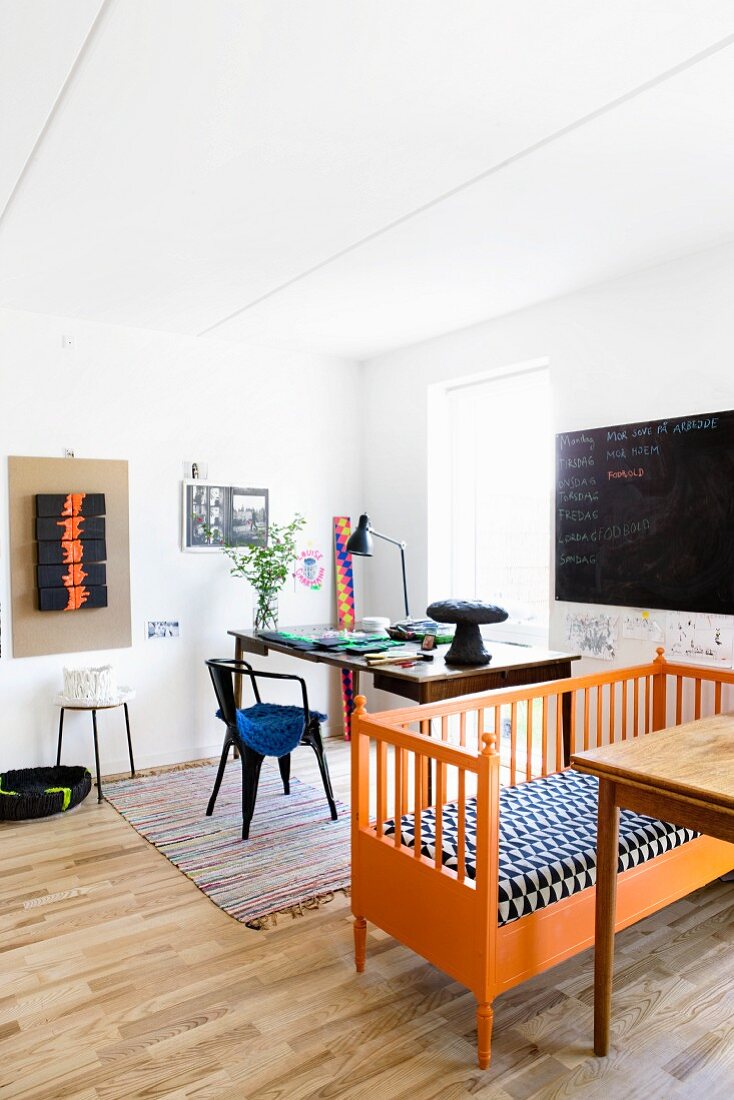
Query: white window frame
441	488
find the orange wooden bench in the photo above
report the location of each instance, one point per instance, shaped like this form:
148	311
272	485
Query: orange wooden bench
462	752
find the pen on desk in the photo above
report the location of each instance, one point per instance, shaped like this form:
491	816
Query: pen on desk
405	660
379	658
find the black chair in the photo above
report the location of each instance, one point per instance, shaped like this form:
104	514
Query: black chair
222	672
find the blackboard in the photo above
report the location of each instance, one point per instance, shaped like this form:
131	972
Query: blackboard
645	514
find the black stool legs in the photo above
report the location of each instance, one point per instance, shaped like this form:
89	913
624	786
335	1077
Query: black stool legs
129	742
61	731
96	755
96	744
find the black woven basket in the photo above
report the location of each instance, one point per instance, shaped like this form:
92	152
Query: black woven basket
39	792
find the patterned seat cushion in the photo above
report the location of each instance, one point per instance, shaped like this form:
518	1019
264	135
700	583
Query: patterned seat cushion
547	840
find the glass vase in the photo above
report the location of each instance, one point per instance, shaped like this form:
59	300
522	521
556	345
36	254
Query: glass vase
265	612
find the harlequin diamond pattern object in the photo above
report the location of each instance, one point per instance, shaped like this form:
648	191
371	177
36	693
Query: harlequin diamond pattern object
344	607
547	840
344	579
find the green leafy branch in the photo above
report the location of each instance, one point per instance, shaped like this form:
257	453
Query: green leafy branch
265	567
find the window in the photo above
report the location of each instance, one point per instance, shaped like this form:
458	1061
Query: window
490	502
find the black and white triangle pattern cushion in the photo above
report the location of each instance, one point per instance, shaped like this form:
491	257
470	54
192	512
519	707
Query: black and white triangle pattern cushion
547	840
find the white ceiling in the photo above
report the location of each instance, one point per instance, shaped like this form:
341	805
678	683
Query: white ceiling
351	177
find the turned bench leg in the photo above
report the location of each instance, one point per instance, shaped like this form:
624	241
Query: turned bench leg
485	1016
360	943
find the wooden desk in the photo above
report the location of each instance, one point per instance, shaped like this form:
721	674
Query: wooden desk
684	775
429	681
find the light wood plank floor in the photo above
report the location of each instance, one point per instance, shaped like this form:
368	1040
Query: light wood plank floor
119	979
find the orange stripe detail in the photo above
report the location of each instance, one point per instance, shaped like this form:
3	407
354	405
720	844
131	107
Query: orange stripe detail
72	550
71	528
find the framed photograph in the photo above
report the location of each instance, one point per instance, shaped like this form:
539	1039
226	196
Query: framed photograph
162	628
216	515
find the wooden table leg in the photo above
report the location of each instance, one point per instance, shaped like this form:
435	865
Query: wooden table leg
607	855
238	656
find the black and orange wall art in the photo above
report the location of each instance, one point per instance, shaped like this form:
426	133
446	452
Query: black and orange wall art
72	551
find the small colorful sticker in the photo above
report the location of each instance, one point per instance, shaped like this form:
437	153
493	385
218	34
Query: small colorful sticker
309	570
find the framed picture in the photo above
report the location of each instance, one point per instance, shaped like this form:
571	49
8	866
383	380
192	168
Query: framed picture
214	515
162	628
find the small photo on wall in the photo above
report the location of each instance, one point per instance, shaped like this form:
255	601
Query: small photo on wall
248	517
223	515
162	628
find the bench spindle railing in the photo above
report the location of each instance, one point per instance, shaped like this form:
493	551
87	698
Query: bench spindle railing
418	772
398	839
529	743
381	783
440	800
461	828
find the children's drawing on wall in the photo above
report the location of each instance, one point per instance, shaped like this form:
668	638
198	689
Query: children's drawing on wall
309	569
641	626
592	633
700	638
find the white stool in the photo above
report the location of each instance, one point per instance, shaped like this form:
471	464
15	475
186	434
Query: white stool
124	696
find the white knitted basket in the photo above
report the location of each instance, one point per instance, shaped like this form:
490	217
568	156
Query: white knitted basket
91	685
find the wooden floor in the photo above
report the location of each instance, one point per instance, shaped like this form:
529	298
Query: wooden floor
120	979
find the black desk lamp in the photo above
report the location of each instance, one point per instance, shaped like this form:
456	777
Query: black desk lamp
360	543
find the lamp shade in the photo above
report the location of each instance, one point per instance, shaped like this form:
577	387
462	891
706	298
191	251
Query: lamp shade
360	541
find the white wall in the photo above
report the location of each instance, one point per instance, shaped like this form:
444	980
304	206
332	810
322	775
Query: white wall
257	417
655	344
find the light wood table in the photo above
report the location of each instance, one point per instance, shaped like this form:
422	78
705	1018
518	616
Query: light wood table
684	775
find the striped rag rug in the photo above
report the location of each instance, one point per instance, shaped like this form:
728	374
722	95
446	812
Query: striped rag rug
295	859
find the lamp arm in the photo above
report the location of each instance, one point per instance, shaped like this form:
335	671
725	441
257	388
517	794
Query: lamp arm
395	542
401	546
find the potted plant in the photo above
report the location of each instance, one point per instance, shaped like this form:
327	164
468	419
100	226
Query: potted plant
267	568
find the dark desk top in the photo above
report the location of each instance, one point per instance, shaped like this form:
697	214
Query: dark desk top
509	659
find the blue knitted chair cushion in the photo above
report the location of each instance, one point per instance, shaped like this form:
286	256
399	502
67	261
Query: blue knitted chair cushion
271	728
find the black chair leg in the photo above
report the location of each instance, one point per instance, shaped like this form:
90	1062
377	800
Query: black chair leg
284	764
220	776
129	742
96	755
61	731
313	738
251	764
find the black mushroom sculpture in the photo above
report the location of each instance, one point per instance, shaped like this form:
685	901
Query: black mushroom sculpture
467	647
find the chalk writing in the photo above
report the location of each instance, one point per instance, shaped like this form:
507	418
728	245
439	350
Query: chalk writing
643	513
